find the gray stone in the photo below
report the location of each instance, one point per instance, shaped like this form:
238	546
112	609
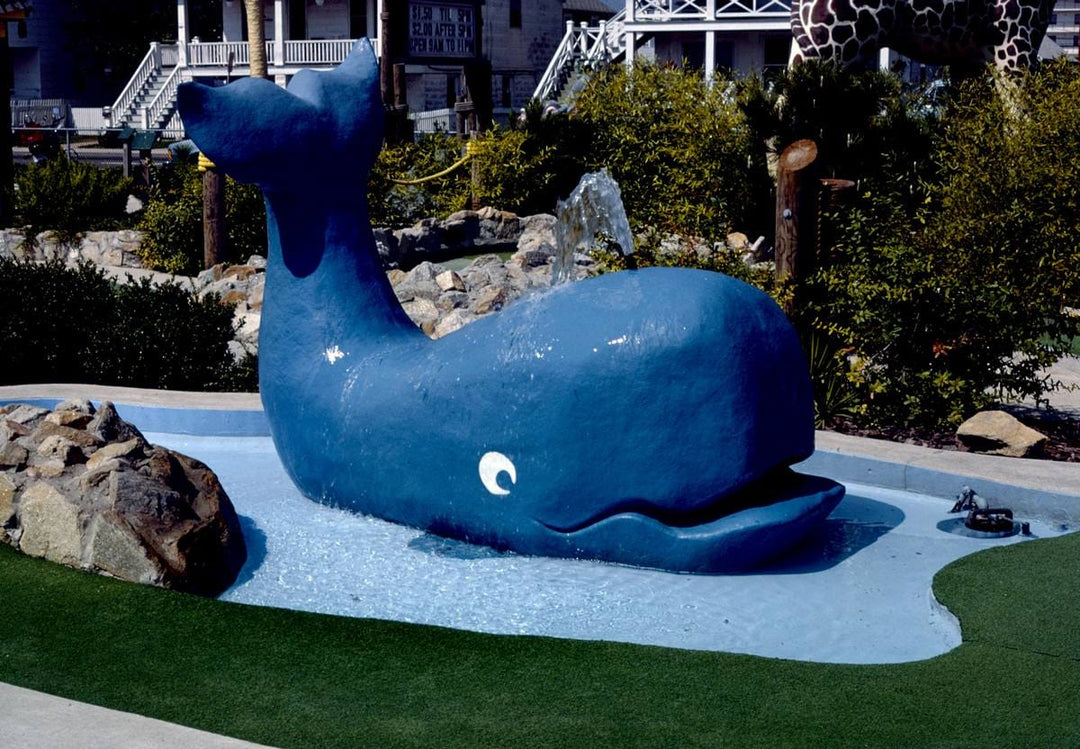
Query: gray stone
107	426
58	448
74	419
489	300
50	525
421	310
1000	433
449	281
258	262
7	500
113	548
13	455
456	320
452	300
538	234
113	450
133	205
22	414
79	405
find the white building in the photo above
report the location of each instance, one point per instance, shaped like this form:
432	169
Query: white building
1064	27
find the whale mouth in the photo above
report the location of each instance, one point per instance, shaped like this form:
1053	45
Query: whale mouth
771	488
732	532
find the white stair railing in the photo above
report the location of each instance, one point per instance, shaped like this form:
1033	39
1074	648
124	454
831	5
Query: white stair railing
149	65
165	99
584	46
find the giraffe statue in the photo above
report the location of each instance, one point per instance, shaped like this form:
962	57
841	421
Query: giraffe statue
958	32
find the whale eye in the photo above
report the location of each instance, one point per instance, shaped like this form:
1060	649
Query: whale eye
491	465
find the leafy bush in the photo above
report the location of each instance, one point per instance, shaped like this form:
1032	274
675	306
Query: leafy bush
680	150
940	310
75	325
395	205
538	161
68	197
173	228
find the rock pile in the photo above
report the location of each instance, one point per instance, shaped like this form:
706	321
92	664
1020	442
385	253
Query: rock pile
108	248
84	488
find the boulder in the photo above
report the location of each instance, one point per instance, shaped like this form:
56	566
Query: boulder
99	497
1000	433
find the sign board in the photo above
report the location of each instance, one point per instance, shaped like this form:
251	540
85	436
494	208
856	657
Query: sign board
442	30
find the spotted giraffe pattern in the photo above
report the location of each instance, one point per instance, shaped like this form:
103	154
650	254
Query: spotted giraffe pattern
958	32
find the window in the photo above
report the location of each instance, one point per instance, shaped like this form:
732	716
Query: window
515	14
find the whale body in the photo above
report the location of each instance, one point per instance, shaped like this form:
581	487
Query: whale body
644	417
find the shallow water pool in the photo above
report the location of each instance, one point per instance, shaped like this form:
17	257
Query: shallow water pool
857	591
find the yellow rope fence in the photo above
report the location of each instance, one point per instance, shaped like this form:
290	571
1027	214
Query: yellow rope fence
472	147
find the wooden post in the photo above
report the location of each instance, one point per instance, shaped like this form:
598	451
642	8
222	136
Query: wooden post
213	185
796	212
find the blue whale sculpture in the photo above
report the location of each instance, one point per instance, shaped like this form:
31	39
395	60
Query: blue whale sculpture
645	417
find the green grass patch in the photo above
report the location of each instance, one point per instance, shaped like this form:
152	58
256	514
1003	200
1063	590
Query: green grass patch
288	679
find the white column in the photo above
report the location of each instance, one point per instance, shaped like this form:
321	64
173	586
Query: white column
630	36
279	32
373	10
883	59
182	31
710	42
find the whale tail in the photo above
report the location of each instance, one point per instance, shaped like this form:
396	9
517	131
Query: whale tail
324	130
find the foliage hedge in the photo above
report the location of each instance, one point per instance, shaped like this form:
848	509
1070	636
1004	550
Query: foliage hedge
172	221
70	197
947	302
61	324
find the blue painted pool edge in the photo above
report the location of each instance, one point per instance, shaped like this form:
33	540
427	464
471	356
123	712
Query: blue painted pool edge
1058	501
206	422
1027	502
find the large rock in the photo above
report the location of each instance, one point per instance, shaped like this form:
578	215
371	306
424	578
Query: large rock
90	492
1000	433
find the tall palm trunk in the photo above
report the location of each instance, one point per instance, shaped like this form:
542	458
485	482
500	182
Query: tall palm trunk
256	37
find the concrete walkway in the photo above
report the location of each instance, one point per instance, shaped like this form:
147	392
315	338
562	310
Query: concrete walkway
32	720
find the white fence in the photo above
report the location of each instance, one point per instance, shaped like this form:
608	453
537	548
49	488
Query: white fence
445	120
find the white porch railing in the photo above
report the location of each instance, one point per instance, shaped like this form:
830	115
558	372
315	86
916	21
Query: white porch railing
165	98
296	53
664	9
321	52
219	54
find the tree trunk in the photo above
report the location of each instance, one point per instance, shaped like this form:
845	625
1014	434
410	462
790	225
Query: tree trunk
253	9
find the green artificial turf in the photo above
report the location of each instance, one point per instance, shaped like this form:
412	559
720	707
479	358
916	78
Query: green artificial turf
293	679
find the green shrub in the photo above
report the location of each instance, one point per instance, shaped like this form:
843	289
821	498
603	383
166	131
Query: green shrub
941	310
173	228
680	150
538	161
75	325
396	205
69	197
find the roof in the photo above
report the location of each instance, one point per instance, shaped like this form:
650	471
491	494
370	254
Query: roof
588	6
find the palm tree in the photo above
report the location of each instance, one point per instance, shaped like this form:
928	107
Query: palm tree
253	9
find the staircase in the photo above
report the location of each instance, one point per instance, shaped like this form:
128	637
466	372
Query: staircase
148	102
583	50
